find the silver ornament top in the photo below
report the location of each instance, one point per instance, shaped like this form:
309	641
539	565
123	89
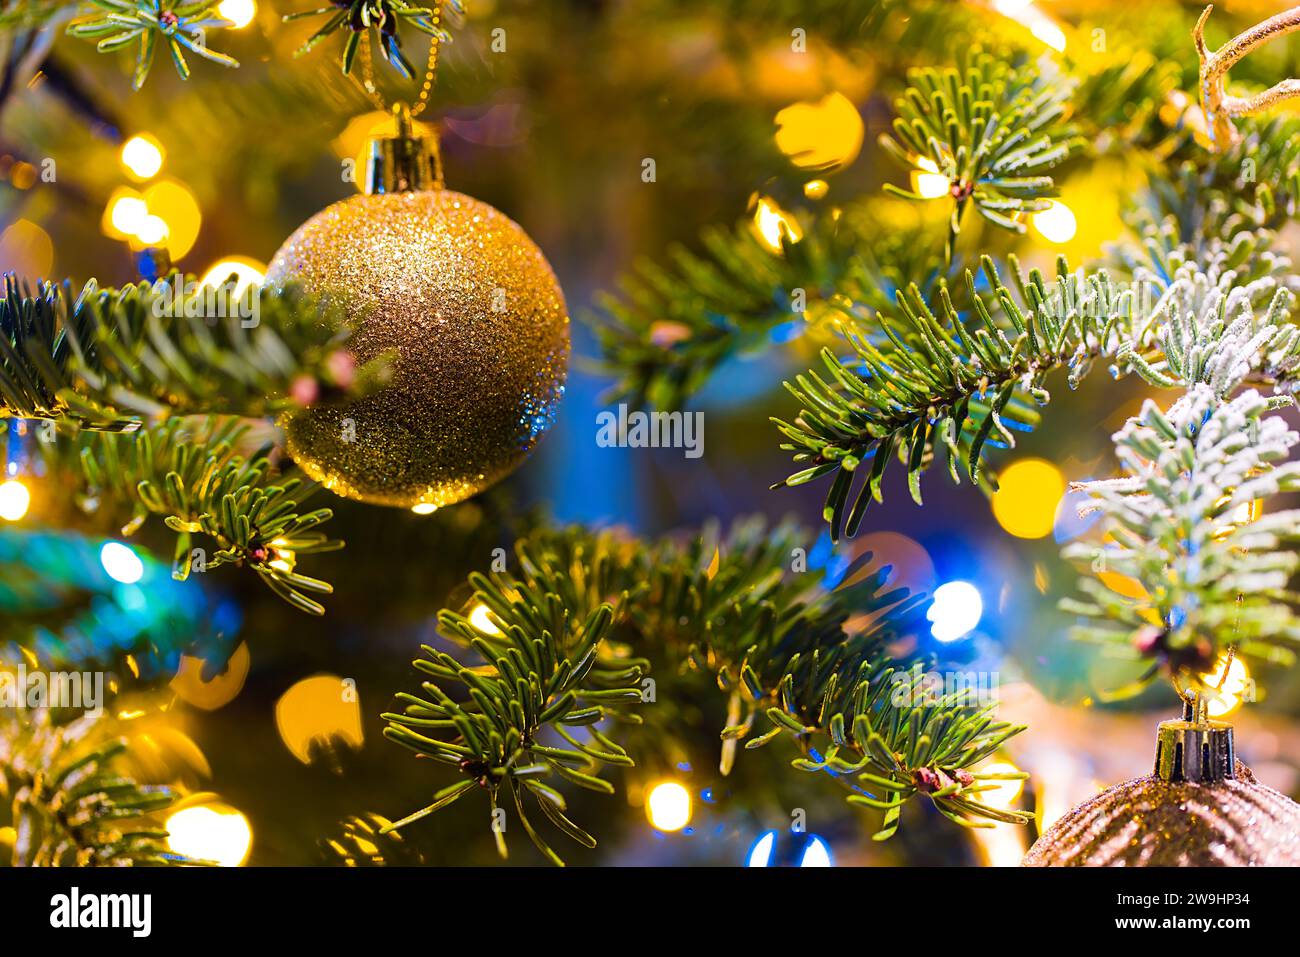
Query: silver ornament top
1194	748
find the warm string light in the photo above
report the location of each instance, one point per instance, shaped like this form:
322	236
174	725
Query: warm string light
1038	23
772	225
245	272
1057	223
142	156
15	499
1226	687
1028	497
238	12
216	833
481	619
1001	846
164	213
669	806
927	181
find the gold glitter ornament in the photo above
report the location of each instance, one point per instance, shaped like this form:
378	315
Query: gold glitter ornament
1200	807
471	311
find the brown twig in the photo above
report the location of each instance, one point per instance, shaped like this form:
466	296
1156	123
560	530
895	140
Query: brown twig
1219	106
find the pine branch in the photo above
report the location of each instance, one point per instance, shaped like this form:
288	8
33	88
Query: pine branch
569	639
993	128
1253	184
71	799
541	673
194	477
177	25
897	736
669	328
108	358
358	18
1211	579
937	380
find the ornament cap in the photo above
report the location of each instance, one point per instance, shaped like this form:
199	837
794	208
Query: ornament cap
1194	748
404	162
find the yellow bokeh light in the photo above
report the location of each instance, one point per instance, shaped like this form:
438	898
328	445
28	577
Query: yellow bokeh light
669	806
124	213
22	175
816	188
481	619
1004	793
142	156
1057	223
825	135
927	181
1028	494
14	500
190	687
772	224
1226	687
244	271
424	508
152	230
318	709
214	832
238	12
1047	31
26	249
1043	27
177	208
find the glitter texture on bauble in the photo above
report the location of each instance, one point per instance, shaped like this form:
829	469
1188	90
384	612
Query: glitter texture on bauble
480	332
1149	822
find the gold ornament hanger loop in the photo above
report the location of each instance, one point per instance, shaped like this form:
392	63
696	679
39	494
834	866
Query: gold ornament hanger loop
405	161
1219	106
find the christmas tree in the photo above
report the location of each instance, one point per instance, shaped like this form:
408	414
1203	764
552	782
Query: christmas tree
507	429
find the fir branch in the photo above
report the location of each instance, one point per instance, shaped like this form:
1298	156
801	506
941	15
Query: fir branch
668	328
936	380
889	735
568	639
179	25
71	798
110	357
1118	105
357	18
1253	184
941	379
1211	578
541	674
194	477
993	128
